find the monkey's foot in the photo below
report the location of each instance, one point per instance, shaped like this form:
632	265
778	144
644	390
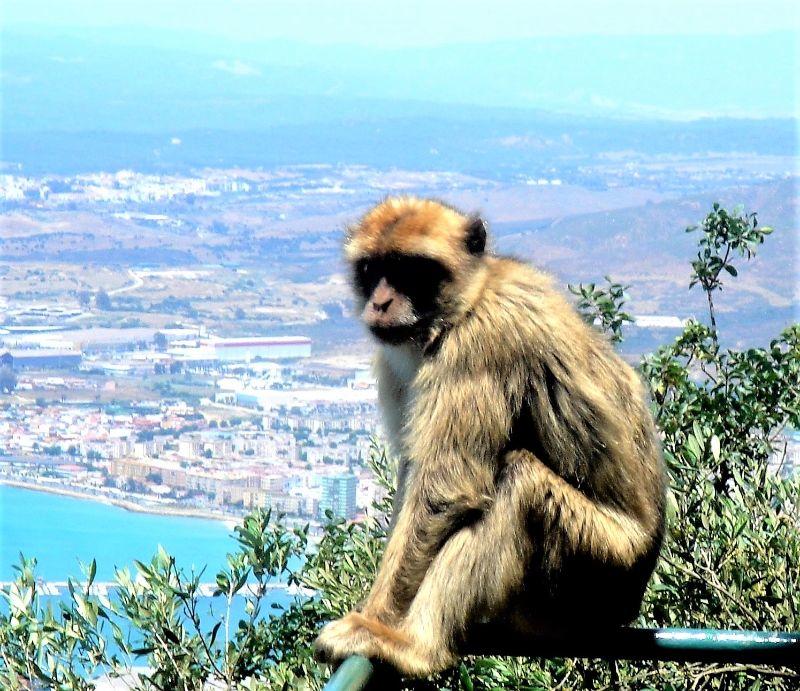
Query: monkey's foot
356	634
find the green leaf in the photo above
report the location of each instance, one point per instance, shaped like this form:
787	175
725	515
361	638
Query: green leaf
693	448
463	674
715	447
214	633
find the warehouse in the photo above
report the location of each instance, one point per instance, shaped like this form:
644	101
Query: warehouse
42	358
248	349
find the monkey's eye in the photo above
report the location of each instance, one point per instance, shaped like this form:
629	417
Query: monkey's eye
363	274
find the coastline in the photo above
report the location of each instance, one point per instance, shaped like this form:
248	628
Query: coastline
228	520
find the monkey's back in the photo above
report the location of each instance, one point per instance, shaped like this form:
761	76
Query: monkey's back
581	410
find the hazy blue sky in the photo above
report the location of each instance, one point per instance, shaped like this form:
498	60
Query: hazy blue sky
412	22
177	64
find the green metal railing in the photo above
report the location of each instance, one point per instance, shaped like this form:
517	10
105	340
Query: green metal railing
780	649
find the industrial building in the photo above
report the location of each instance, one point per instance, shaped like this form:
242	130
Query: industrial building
244	349
264	348
42	358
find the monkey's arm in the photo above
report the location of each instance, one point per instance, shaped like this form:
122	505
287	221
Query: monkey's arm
454	439
403	472
419	532
571	521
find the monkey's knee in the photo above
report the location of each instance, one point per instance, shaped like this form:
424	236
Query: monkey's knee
518	458
334	642
460	513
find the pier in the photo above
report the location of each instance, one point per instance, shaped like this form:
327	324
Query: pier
105	588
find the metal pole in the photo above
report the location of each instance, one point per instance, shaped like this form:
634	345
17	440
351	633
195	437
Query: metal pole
780	649
352	675
675	645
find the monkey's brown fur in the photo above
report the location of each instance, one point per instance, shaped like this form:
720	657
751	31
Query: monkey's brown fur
531	487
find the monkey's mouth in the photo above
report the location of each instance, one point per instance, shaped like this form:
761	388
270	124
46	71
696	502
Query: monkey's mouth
394	334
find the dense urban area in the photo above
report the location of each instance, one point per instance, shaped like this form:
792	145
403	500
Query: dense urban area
266	427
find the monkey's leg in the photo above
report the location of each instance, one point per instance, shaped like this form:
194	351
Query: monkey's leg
388	598
573	522
453	438
481	566
472	577
473	574
423	527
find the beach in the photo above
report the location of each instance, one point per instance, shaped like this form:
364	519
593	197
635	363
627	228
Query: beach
160	510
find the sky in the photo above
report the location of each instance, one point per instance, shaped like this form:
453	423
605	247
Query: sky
404	23
166	65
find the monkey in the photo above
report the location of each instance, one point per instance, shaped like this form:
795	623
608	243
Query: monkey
531	485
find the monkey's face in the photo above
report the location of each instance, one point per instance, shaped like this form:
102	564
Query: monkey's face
402	294
413	261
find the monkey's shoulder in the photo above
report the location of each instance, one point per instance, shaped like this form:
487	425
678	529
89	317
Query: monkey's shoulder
521	309
523	322
517	289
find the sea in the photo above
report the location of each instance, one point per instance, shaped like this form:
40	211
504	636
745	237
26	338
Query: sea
61	532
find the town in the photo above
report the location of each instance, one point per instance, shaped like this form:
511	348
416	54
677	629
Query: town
269	427
229	425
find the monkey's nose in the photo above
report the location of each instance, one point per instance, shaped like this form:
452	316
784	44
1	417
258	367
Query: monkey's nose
382	306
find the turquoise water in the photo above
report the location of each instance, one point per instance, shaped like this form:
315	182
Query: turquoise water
61	531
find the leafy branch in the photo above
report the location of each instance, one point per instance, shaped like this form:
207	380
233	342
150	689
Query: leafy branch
723	235
603	306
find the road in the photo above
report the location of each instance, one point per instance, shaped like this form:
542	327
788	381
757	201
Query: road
138	282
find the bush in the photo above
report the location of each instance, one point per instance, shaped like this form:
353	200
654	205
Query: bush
730	559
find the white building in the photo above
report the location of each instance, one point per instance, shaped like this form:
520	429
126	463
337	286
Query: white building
244	349
248	349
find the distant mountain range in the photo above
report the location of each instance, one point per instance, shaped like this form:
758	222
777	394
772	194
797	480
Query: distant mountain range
92	100
490	144
647	247
155	82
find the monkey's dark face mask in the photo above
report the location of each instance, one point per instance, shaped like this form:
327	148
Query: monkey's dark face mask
402	295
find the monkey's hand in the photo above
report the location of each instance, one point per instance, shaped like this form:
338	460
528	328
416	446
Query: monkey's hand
356	634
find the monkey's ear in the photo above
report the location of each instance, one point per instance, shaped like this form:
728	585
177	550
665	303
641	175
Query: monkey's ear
476	235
